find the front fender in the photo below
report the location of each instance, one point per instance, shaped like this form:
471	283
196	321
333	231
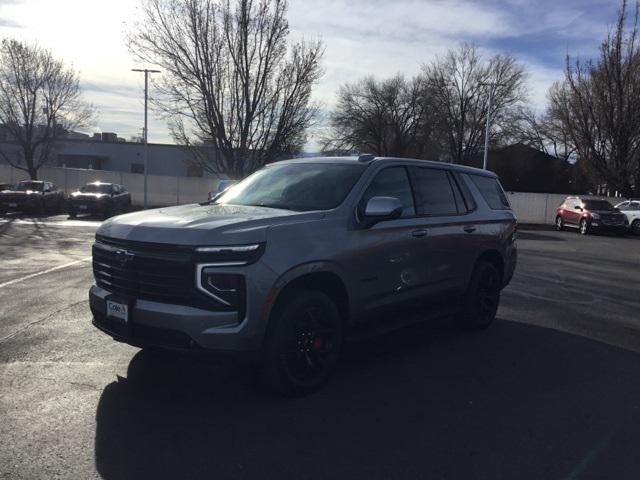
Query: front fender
300	271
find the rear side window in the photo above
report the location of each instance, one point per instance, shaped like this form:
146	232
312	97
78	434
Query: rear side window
469	203
392	182
491	191
434	192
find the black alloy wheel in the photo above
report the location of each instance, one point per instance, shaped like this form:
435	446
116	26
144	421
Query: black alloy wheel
483	296
303	343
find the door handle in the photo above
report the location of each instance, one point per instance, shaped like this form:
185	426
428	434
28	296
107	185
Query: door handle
469	229
419	233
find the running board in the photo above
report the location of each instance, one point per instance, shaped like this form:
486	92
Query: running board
365	330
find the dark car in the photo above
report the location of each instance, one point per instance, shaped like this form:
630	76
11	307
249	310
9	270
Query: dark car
99	198
590	215
5	186
32	196
222	186
287	262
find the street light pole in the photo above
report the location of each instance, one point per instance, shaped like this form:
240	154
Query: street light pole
145	135
486	134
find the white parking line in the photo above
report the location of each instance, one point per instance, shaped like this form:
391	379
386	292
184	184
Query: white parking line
43	272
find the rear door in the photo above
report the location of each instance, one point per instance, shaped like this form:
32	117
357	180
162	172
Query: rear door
445	250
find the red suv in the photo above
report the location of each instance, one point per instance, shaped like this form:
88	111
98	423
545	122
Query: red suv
590	214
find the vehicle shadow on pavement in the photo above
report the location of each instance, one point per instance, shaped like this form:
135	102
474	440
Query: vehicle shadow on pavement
528	235
516	401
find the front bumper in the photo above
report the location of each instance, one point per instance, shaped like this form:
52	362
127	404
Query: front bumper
87	206
179	327
600	226
21	205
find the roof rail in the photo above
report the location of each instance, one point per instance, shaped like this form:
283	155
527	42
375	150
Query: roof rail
366	157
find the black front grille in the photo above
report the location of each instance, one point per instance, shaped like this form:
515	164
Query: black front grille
148	275
152	271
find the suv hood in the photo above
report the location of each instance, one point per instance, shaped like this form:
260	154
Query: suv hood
607	212
201	224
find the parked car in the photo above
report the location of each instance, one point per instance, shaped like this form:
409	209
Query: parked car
631	209
32	196
99	198
589	215
5	186
221	187
302	252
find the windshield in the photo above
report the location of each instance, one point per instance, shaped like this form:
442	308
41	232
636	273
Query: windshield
295	186
598	205
96	188
25	186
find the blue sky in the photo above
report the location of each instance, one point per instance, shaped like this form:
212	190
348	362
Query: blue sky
362	37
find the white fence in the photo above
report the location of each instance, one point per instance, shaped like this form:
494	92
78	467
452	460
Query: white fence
161	190
529	207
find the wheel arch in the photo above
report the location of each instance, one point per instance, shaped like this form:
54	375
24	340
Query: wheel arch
495	258
321	276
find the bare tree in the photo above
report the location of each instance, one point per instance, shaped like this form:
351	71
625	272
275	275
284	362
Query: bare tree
383	117
459	87
546	132
231	81
600	107
40	101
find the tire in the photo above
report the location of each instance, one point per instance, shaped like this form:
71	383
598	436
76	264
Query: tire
559	223
42	208
73	214
584	227
481	301
635	227
302	344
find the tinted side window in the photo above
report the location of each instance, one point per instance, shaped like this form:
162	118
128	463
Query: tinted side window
434	193
491	191
392	182
469	201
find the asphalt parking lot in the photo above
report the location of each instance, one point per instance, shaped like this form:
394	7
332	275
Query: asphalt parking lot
551	391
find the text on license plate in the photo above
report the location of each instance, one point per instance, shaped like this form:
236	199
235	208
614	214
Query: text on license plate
13	205
82	207
117	310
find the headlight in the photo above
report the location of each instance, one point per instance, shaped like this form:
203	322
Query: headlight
230	255
228	289
595	216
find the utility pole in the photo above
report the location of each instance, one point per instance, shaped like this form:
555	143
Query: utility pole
145	135
486	134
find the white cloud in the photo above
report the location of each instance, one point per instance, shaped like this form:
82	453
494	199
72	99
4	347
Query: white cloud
362	37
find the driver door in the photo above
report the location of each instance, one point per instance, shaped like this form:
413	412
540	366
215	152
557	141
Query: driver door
385	256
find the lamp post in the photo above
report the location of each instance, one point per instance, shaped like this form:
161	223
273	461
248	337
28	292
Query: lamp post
146	130
486	134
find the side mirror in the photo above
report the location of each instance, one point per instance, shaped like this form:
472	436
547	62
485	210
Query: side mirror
378	209
578	207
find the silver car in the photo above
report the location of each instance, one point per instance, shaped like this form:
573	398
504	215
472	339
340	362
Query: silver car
288	262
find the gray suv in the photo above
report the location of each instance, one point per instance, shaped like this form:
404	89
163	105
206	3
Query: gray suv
289	261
